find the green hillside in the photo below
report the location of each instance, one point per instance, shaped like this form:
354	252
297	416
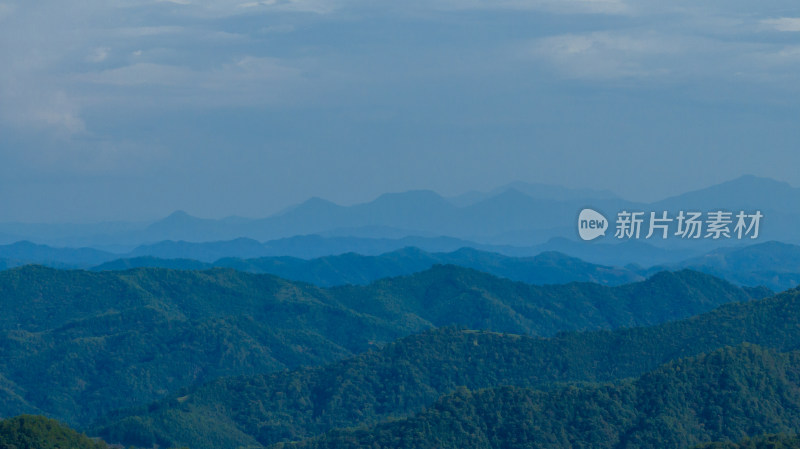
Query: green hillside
37	432
779	441
80	344
723	395
409	375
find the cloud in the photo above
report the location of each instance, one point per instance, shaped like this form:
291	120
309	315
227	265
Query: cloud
660	58
29	104
557	6
60	112
140	74
143	31
788	24
99	54
605	55
223	8
246	80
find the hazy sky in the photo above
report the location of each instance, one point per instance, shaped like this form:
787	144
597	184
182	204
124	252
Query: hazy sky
130	109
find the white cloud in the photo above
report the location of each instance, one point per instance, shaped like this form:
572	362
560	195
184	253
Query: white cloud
557	6
245	68
277	29
244	81
221	8
143	73
605	55
99	54
659	58
142	31
790	24
41	108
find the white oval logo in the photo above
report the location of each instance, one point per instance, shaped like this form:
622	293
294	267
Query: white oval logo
591	224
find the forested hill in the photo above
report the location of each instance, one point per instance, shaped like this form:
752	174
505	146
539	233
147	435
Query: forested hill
723	395
771	441
549	267
406	376
37	432
79	344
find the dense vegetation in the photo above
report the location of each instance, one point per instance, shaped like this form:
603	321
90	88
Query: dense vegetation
723	395
772	264
78	344
37	432
779	441
406	376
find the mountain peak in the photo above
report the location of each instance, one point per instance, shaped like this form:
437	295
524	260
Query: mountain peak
177	216
750	181
427	196
744	192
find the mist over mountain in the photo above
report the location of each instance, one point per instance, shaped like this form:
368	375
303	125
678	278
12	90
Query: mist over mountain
772	264
518	215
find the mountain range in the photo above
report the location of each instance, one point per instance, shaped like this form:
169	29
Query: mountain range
726	394
516	215
772	264
408	376
79	344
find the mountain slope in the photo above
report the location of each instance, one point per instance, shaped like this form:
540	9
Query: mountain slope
779	441
546	268
406	376
725	394
79	344
38	432
773	264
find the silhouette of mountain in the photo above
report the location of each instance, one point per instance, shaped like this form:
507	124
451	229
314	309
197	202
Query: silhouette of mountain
518	215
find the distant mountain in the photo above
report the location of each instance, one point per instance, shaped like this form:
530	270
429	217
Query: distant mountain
778	201
535	190
408	376
618	253
79	344
772	264
153	262
725	394
749	192
507	216
21	253
203	252
313	246
517	215
546	268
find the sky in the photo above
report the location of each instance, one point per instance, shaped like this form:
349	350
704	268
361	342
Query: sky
131	109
